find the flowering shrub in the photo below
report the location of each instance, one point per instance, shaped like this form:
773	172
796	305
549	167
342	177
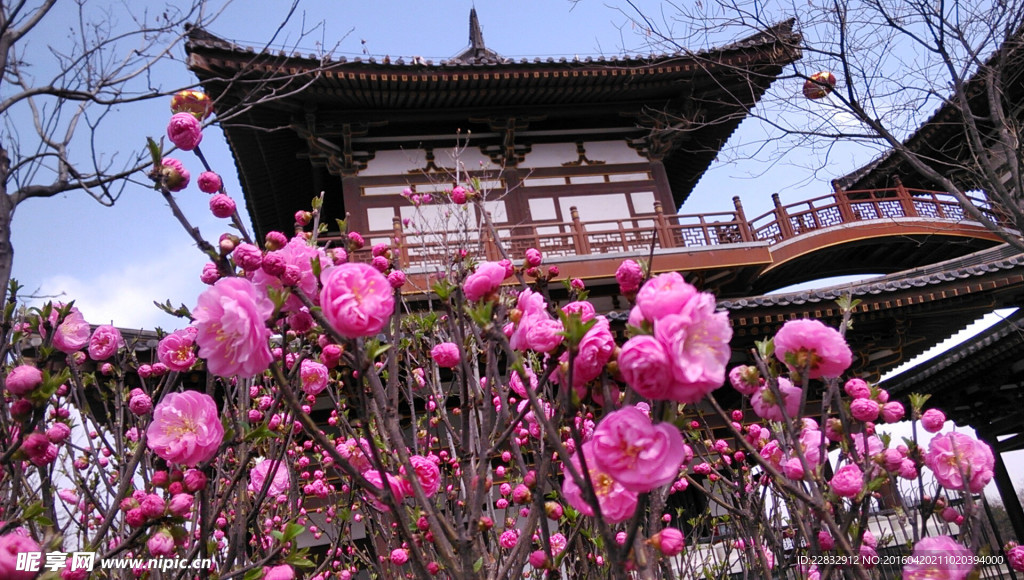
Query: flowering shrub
344	427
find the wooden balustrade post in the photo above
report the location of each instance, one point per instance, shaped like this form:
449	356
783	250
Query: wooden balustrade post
843	202
741	220
401	251
579	234
490	248
664	235
782	218
906	200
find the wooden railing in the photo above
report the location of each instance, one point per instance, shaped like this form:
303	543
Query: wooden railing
636	234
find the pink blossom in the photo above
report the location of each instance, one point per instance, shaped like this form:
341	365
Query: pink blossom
296	256
857	388
11	544
222	206
39	449
543	333
248	257
484	281
459	194
23	379
174	174
593	352
210	274
848	481
399	556
446	354
663	295
864	410
140	403
153	506
194	480
509	539
186	428
629	275
185	131
639	455
810	344
960	461
181	504
938	558
396	278
1015	557
232	334
645	367
825	540
176	349
745	379
533	257
161	544
356	299
72	334
394	485
279	482
893	412
616	502
932	420
766	404
539	559
874	444
279	572
314	377
669	541
697	342
105	341
209	182
427	473
58	433
515	382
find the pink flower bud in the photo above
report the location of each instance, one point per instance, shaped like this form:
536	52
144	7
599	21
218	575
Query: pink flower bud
209	182
222	206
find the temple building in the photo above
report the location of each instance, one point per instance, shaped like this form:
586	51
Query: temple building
589	160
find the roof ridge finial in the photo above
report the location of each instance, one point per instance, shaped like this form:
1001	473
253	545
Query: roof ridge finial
476	35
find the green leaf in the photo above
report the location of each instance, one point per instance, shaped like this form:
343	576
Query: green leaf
292	530
33	511
765	348
443	289
260	433
478	565
154	151
254	574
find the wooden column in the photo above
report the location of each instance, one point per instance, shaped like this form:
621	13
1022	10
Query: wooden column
843	202
741	220
1007	492
664	235
579	234
782	218
906	200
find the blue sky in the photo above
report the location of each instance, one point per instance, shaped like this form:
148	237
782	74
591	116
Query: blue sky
115	261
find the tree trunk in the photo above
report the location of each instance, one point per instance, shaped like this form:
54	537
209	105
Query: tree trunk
6	213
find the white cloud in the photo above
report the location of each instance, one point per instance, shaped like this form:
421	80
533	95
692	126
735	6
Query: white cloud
124	294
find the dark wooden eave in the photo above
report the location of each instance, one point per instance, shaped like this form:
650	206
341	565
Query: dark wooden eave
679	108
900	315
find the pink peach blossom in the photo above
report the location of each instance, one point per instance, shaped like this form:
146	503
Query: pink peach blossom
357	300
232	333
394	486
645	366
40	450
11	544
593	352
279	482
222	206
932	420
23	379
426	472
105	341
161	544
697	342
616	502
664	294
641	456
864	410
938	558
485	280
533	257
314	376
446	354
186	428
72	334
176	350
279	572
893	412
857	388
185	131
669	541
960	461
809	344
209	182
174	174
629	275
848	481
766	404
1015	558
